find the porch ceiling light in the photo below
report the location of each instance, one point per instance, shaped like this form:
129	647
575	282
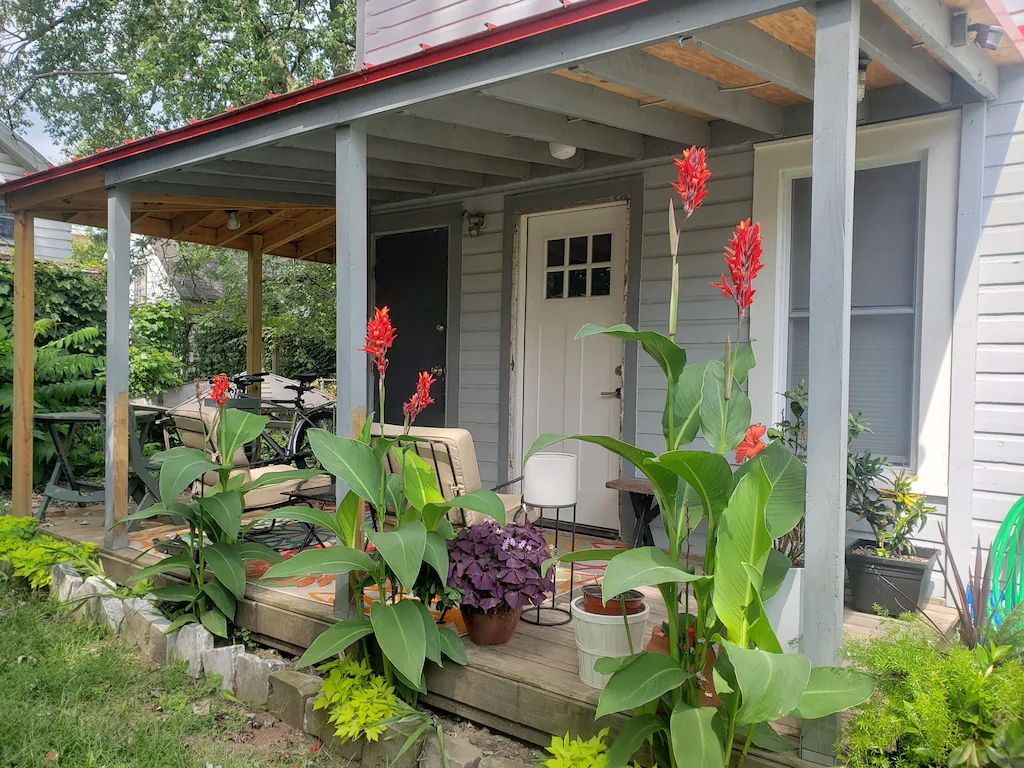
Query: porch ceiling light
233	222
561	151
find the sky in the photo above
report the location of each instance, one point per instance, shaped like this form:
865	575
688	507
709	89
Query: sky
43	144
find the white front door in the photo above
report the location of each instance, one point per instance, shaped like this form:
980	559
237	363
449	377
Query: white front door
576	274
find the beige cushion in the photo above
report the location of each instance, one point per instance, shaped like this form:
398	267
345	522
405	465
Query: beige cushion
271	495
452	453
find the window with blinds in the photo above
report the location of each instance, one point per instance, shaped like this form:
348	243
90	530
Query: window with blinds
885	305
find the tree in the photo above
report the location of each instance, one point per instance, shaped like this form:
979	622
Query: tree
102	71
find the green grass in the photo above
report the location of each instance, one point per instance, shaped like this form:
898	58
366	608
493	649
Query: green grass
71	689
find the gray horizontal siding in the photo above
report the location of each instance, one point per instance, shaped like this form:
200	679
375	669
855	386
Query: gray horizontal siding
999	410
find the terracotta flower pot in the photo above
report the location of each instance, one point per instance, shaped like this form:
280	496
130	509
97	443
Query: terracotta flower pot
659	644
592	602
491	628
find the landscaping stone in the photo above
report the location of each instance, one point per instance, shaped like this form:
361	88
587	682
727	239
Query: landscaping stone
110	612
69	584
460	752
289	691
88	596
316	723
493	761
223	662
252	679
58	574
193	641
383	753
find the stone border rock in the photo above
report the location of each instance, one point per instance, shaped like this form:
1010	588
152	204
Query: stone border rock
255	681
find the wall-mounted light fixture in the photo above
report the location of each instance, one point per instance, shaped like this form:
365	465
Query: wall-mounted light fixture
233	222
986	36
474	223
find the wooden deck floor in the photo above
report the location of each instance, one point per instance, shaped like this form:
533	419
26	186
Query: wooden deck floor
528	688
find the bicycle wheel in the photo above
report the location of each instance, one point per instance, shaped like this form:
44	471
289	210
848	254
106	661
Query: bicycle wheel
304	457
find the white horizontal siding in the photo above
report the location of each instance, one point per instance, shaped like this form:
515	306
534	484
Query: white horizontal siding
999	410
52	238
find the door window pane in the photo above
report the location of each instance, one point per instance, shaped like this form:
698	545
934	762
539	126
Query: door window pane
601	281
555	285
578	250
577	283
602	249
556	253
883	323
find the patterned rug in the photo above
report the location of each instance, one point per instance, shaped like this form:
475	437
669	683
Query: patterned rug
289	538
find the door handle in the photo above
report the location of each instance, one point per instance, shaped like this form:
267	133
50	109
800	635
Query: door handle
617	392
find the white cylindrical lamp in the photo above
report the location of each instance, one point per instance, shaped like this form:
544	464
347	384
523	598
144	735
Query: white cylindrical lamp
550	480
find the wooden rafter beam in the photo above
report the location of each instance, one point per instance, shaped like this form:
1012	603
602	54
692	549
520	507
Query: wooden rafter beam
247	221
43	194
656	77
567	97
296	229
932	22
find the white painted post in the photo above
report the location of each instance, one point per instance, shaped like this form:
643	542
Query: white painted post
969	222
119	214
351	263
832	169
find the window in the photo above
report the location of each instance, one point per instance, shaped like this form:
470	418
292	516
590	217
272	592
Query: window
6	225
584	272
884	314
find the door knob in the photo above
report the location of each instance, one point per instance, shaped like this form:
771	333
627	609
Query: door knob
437	370
617	392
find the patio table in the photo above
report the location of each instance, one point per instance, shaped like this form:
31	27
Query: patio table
645	506
82	492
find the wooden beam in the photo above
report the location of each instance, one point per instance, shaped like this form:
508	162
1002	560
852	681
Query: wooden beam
185	221
492	115
882	39
308	222
352	258
567	97
656	77
221	198
24	365
459	138
746	46
932	22
837	42
254	313
37	195
313	243
247	222
119	227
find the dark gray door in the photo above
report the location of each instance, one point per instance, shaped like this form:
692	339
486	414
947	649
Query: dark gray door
411	277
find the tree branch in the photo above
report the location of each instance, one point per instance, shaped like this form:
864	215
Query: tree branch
61	73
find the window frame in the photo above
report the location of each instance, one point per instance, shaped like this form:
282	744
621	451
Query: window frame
934	142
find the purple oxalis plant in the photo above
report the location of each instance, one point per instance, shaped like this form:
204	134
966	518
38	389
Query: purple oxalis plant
499	569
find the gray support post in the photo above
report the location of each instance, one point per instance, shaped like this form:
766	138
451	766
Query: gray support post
119	215
351	258
969	221
832	169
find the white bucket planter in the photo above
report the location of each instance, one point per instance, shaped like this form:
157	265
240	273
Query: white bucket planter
598	636
785	610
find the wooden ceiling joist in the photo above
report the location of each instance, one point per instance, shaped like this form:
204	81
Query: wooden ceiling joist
558	94
247	222
302	225
491	114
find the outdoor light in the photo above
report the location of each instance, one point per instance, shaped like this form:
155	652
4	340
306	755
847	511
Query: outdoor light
862	78
561	151
987	36
233	220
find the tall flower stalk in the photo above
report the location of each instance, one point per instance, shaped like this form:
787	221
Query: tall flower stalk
692	188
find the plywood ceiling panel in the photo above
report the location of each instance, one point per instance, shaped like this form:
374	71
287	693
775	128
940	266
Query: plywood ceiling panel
796	28
582	77
722	72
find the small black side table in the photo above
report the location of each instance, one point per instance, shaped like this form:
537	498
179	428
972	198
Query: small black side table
554	615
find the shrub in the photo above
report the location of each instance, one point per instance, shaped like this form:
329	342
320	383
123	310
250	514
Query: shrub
32	554
152	371
357	700
578	752
934	703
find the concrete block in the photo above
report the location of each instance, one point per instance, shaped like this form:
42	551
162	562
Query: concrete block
86	598
288	693
493	761
58	574
193	641
316	724
69	584
110	612
383	753
223	662
461	753
252	678
139	615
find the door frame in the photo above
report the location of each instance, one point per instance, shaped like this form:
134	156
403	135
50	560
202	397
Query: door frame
629	189
440	217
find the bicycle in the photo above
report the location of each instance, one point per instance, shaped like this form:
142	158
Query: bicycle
295	448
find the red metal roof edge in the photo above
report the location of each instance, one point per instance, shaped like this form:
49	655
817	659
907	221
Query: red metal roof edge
563	16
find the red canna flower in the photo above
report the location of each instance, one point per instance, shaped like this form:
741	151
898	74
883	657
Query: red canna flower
693	178
751	444
219	392
380	335
420	398
743	258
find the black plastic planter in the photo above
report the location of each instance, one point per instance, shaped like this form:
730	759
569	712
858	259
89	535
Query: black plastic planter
899	586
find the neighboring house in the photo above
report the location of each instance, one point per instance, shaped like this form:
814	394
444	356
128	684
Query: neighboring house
53	238
515	168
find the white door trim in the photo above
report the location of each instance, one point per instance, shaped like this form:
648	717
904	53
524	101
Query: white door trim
518	331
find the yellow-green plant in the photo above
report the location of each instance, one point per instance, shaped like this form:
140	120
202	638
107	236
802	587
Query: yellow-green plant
567	752
32	554
358	701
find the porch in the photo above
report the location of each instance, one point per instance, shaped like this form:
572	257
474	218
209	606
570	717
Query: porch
474	136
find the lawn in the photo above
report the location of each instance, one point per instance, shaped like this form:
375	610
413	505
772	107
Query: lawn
72	695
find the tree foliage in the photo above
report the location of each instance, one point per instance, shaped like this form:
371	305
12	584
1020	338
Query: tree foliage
102	71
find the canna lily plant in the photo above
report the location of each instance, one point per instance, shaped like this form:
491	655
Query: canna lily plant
714	614
401	628
217	551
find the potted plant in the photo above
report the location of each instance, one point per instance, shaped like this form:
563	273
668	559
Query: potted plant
499	572
626	603
607	629
889	572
